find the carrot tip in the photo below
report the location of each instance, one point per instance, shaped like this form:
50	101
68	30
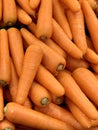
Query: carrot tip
44	101
3	83
43	38
60	67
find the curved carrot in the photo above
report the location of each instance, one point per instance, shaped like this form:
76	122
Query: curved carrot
44	31
9	12
82	76
34	3
4	58
1	9
53	61
51	84
64	42
61	18
19	114
75	94
32	60
16	48
39	94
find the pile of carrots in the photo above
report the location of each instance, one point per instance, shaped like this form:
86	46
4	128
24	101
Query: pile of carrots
48	65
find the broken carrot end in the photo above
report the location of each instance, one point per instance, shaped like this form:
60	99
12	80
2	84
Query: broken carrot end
43	38
60	67
10	23
44	101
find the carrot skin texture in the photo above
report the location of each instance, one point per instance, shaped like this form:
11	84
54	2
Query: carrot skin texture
1	103
1	9
32	118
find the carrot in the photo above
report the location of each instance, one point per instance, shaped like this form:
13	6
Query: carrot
32	118
16	48
73	63
39	95
34	3
78	114
1	1
6	125
61	18
9	12
87	82
73	6
59	113
76	22
4	58
24	4
53	61
44	21
64	42
75	94
32	60
51	84
93	4
23	16
91	22
1	103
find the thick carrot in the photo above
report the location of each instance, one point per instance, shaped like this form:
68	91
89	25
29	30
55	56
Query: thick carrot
74	6
61	18
53	61
6	125
76	22
75	94
1	8
19	114
23	16
1	103
44	31
51	84
32	60
91	22
64	42
34	3
9	12
16	48
39	94
87	82
78	114
59	113
4	58
73	63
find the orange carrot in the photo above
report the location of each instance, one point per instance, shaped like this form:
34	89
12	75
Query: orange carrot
16	48
19	114
32	60
76	22
4	58
78	114
39	94
6	125
93	4
1	1
23	16
74	6
64	42
34	3
75	94
9	12
60	17
53	61
1	103
60	113
51	84
44	31
91	22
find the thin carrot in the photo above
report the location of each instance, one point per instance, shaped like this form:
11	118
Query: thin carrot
74	6
39	94
53	61
32	60
23	16
4	58
61	18
19	114
78	114
1	103
76	22
44	21
64	42
6	125
1	1
75	94
91	22
9	12
34	3
51	84
16	48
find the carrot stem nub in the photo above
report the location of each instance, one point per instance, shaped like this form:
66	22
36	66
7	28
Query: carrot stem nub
44	101
60	67
8	128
